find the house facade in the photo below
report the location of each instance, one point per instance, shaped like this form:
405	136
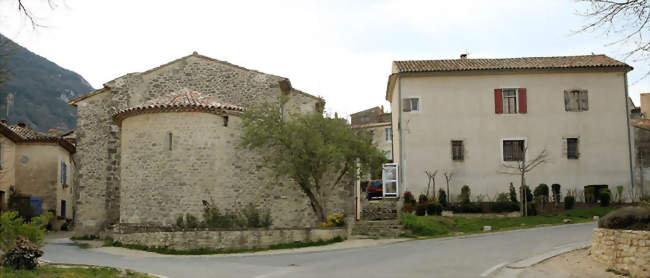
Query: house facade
476	117
378	124
38	166
156	145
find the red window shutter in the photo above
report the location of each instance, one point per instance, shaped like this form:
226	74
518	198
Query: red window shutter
498	101
523	107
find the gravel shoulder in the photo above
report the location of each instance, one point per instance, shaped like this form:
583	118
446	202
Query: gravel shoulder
575	264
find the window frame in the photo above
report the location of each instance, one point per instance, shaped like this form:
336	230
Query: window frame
525	149
462	150
576	154
408	99
503	99
386	133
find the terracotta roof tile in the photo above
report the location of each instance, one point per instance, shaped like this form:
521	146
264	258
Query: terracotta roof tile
24	134
182	100
560	62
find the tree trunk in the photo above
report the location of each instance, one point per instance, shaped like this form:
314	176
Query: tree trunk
315	204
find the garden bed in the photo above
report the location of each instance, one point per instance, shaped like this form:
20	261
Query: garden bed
444	226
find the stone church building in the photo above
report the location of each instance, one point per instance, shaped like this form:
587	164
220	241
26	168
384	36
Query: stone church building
158	144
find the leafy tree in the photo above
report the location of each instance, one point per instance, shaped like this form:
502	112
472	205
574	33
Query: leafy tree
314	150
12	226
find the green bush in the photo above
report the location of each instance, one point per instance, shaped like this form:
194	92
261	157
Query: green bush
503	203
408	208
252	215
527	193
434	208
556	189
12	226
21	204
23	255
532	208
423	199
442	198
191	221
465	194
541	194
605	197
421	209
629	218
569	201
513	194
467	208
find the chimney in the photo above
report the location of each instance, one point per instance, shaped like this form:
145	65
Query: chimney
22	125
463	56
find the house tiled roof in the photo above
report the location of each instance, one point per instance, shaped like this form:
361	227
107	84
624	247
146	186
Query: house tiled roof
183	100
524	63
23	134
641	123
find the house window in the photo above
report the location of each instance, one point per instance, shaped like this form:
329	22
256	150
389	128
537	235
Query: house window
572	148
513	150
389	133
510	101
411	104
457	150
64	173
63	208
576	100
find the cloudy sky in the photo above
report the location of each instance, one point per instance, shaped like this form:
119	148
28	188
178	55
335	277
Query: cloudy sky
341	50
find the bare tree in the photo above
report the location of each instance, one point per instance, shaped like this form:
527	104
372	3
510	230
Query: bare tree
521	168
29	14
431	180
626	20
449	174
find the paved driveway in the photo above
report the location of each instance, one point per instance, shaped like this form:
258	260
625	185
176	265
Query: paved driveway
469	256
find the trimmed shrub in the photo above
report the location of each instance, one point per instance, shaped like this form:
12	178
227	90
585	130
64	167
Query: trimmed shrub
465	194
503	204
434	208
421	209
423	199
619	190
409	198
541	194
629	218
23	255
442	198
556	189
569	201
513	194
605	196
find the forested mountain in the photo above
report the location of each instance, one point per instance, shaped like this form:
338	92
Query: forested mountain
35	90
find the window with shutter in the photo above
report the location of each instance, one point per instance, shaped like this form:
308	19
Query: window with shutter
513	150
572	148
576	100
498	98
523	106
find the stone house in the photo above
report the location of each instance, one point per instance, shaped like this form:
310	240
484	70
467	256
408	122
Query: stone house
154	145
473	116
377	123
38	165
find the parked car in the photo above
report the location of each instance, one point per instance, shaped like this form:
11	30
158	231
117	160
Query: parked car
375	190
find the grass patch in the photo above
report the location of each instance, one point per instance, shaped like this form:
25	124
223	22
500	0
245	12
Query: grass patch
442	226
209	251
49	271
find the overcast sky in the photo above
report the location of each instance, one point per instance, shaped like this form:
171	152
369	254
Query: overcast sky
341	50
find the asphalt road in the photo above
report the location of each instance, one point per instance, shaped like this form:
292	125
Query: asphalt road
467	256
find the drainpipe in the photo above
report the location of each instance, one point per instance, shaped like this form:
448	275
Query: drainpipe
400	168
629	135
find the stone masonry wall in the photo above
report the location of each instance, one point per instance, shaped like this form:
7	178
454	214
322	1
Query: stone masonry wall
623	250
98	145
228	239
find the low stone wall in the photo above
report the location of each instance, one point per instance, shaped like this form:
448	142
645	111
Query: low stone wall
379	228
224	239
379	209
623	250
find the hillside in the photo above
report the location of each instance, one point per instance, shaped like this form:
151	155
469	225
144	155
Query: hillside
36	90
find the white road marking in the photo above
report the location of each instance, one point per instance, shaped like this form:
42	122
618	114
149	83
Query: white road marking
492	269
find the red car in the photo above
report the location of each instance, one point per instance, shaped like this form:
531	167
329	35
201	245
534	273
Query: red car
375	190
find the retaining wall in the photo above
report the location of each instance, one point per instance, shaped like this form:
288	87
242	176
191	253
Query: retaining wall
623	250
224	239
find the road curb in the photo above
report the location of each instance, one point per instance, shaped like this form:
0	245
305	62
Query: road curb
515	268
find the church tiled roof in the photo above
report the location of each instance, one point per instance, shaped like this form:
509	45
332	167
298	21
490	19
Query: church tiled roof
183	100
